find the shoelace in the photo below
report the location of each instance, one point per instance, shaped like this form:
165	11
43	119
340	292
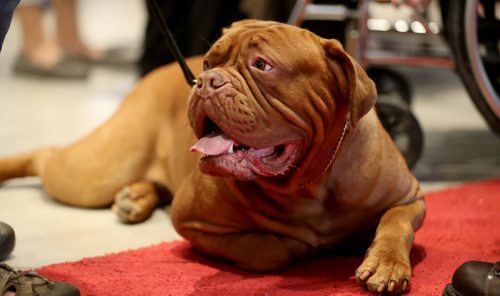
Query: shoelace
496	270
16	276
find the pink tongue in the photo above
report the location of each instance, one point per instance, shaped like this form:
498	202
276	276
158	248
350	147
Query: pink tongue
215	144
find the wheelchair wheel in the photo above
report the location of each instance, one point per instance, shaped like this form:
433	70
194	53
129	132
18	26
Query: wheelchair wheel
402	126
390	82
474	36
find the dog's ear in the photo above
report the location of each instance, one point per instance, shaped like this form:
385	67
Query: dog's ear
361	92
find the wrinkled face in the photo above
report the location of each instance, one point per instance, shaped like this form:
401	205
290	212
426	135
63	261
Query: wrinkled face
264	99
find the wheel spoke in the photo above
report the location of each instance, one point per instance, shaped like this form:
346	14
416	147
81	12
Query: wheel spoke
491	59
489	7
488	28
493	74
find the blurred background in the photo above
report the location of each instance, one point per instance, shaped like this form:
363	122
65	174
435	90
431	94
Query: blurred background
450	140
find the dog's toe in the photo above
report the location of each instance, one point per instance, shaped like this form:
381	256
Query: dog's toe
123	206
134	204
384	274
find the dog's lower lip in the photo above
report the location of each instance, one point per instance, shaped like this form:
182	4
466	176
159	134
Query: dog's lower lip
265	162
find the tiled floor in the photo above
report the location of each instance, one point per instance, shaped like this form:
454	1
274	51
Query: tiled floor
34	113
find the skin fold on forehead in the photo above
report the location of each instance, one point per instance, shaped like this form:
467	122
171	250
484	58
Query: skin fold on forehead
265	36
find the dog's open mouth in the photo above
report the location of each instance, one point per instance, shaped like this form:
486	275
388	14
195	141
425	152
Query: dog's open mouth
226	157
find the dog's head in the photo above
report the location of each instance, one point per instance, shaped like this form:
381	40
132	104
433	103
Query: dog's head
270	100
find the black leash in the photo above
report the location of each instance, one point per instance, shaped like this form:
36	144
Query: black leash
169	38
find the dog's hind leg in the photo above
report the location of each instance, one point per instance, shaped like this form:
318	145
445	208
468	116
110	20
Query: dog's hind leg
66	176
25	165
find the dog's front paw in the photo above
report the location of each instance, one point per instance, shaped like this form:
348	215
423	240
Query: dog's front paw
135	203
385	271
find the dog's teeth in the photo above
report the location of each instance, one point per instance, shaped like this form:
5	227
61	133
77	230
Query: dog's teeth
230	149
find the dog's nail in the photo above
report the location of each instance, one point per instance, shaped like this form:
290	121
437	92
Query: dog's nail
391	286
381	288
364	275
405	285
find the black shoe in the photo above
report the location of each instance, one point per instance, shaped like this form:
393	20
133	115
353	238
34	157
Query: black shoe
7	240
475	278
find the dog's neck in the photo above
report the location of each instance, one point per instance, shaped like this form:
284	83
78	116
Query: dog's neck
308	177
347	126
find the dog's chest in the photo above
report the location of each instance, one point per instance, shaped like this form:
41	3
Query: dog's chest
319	222
330	218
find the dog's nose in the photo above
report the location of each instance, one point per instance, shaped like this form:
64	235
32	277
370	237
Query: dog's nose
211	80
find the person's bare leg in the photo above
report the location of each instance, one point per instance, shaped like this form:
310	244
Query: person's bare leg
68	34
36	45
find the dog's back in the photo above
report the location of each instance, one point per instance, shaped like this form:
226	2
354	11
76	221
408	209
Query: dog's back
143	136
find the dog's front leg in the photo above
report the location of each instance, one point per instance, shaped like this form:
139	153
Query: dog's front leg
204	212
254	251
136	202
386	267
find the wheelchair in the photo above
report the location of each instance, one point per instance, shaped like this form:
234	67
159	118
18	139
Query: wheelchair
470	31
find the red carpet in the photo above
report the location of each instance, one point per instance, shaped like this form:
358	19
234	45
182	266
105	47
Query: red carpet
461	224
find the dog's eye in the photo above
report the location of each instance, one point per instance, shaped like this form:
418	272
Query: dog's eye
206	65
262	65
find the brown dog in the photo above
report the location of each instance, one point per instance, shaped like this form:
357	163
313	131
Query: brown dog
296	160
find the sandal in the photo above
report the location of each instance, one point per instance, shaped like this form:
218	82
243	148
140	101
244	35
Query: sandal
116	57
32	284
65	67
